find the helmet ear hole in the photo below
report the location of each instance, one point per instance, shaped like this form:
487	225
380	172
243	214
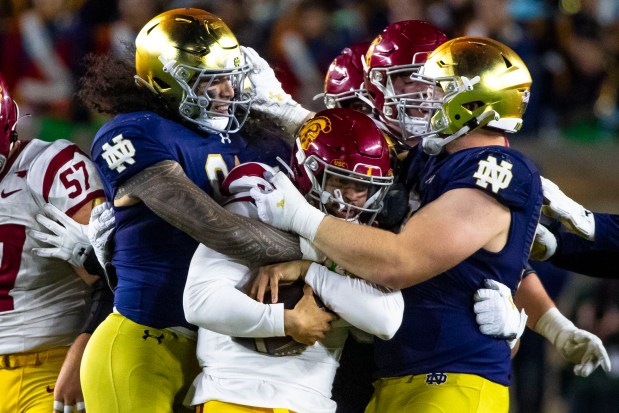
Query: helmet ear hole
160	84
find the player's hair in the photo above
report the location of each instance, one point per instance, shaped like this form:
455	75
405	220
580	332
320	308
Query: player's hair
108	86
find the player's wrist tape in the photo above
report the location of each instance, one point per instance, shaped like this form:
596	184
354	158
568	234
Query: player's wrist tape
308	222
309	251
292	117
552	323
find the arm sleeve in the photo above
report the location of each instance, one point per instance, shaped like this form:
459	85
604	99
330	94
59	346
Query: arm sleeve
102	303
597	258
213	300
371	308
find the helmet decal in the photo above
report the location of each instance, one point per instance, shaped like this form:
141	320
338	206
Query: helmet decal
310	130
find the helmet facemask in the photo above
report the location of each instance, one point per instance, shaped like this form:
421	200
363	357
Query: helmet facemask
385	81
198	104
351	195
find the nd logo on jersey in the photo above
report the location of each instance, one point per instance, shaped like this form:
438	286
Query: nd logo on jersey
118	154
489	172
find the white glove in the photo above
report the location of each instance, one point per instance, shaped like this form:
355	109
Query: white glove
579	347
497	315
69	238
270	98
544	244
285	208
102	221
572	215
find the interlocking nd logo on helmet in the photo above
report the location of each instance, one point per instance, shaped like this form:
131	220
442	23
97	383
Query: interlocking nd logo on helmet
309	132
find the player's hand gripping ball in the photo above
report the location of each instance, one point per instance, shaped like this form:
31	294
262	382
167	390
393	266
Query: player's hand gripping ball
289	295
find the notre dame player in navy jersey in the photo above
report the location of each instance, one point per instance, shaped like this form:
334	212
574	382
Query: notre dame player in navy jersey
178	128
480	204
438	330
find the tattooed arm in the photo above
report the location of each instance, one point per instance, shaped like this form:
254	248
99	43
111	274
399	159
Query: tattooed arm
170	194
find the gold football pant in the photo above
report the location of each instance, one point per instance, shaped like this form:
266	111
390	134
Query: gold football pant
215	406
438	393
27	380
132	368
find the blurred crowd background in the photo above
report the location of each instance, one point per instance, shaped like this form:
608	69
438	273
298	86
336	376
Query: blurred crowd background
571	126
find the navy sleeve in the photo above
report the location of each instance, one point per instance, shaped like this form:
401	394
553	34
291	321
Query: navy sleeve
504	175
599	258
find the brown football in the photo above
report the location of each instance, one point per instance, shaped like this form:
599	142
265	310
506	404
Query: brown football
289	295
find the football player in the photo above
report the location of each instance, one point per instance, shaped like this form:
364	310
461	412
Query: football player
341	162
480	202
45	291
398	98
181	100
585	242
343	87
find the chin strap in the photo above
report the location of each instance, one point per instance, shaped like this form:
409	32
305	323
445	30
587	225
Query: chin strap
433	145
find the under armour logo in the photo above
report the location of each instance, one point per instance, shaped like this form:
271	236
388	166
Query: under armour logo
147	334
280	204
489	172
118	154
436	378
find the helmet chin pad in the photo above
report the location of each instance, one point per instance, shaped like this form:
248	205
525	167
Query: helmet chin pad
209	123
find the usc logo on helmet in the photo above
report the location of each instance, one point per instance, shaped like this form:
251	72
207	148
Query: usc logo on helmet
370	51
309	132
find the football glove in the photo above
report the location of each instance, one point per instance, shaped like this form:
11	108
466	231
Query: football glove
102	221
544	244
497	314
285	208
69	238
577	346
270	98
572	215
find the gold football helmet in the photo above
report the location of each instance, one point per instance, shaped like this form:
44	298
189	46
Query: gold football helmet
180	54
473	82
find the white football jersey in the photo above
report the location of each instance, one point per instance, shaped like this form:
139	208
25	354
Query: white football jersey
214	301
43	302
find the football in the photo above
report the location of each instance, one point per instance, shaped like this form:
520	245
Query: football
289	295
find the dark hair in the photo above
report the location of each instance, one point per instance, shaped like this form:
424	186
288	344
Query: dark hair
108	86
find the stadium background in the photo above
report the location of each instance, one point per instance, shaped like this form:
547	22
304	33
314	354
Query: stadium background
571	127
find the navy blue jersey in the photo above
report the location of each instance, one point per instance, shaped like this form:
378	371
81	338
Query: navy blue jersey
597	258
439	332
152	257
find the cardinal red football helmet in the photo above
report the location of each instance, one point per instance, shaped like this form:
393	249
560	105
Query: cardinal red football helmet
8	120
400	50
345	78
341	161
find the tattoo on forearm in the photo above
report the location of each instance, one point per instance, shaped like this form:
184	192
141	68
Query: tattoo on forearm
167	191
